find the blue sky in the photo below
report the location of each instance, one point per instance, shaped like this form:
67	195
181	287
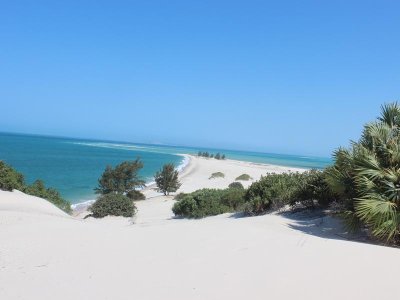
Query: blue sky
297	77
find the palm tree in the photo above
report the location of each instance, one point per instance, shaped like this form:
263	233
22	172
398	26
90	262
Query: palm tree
368	175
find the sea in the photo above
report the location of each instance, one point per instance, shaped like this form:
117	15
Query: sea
73	166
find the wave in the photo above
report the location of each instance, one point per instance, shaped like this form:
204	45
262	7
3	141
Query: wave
82	205
124	147
110	145
185	162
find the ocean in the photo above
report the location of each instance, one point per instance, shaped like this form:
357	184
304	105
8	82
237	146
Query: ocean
73	166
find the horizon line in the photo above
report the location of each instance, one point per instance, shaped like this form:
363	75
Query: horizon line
158	144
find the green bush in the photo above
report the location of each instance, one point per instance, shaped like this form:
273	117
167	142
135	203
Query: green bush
312	189
38	189
208	202
274	191
10	179
236	185
136	195
113	205
233	198
217	175
244	177
180	196
256	206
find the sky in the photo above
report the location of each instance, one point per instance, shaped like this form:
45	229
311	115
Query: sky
295	77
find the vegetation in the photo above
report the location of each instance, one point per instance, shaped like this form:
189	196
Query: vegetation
236	185
167	179
217	175
208	202
118	188
10	180
244	177
273	191
217	156
366	177
364	181
136	195
122	179
180	196
114	205
39	189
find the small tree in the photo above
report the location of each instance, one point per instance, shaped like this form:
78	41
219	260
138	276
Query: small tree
122	179
167	179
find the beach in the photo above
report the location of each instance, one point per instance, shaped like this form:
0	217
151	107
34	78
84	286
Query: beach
47	254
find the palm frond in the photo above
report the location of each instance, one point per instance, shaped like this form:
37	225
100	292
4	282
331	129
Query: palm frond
378	213
390	114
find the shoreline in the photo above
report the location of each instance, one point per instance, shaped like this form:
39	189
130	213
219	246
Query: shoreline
183	168
217	257
81	207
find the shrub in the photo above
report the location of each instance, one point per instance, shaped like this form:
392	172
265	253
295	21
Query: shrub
256	206
274	191
113	205
136	195
180	196
122	179
167	179
38	189
244	177
201	203
209	202
312	190
236	185
233	198
10	179
217	175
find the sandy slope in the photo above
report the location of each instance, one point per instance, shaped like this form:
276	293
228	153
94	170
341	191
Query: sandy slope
45	254
197	176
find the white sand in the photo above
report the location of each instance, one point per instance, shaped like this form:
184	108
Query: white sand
45	254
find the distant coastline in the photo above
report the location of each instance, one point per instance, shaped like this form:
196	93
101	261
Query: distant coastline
73	165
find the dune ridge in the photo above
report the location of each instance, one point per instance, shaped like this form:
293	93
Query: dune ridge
46	254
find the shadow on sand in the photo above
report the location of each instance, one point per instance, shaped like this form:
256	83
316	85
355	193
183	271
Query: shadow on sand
318	223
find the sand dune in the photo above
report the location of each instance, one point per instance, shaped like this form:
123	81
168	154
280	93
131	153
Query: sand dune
45	254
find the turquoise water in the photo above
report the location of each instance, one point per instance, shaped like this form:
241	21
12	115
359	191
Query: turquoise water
73	166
